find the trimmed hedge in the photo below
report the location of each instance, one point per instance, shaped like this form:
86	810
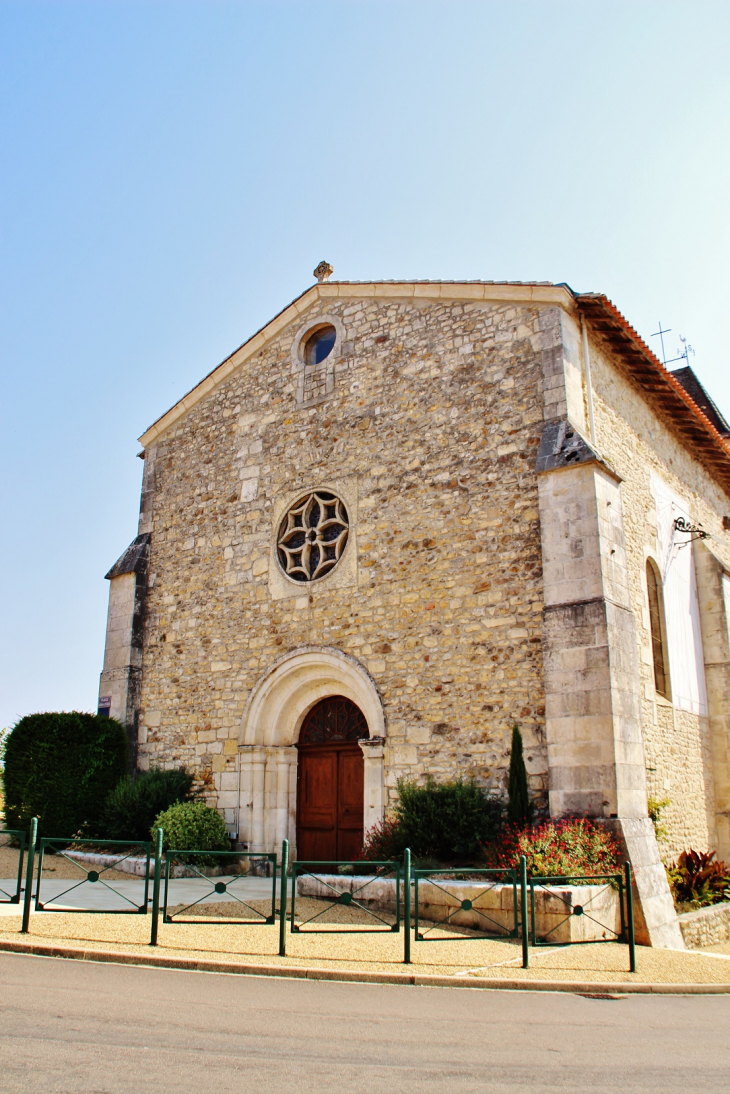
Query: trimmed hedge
132	806
60	768
193	826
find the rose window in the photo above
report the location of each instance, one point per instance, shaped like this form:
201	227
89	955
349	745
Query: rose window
312	536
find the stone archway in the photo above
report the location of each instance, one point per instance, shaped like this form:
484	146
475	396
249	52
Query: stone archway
270	728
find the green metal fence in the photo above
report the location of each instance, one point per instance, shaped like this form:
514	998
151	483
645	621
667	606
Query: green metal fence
587	909
480	904
15	841
345	885
228	887
91	880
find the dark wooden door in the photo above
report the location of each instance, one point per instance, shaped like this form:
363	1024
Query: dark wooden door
330	781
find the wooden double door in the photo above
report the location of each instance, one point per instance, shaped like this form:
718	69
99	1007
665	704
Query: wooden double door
330	781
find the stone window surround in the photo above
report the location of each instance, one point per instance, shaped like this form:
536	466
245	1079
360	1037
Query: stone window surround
345	573
313	535
650	558
327	367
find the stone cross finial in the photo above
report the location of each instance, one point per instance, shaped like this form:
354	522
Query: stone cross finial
323	271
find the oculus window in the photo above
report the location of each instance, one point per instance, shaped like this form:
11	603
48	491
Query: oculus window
319	345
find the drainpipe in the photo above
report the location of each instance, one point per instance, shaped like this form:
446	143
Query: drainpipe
589	385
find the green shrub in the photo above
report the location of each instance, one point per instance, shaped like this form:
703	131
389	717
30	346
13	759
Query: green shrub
445	821
697	879
519	806
133	805
655	808
573	846
60	768
193	826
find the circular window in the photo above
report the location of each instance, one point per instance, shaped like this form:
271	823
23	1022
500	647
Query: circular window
319	345
312	536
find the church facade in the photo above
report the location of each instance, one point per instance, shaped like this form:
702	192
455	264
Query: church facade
405	516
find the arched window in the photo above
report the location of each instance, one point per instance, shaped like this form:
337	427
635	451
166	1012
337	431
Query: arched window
656	622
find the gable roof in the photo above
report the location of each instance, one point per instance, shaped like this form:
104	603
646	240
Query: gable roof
691	384
535	292
664	390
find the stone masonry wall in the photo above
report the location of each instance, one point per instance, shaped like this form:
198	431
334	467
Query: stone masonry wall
435	416
636	441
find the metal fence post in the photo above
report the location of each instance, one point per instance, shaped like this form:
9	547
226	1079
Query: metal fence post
29	875
282	898
523	898
159	834
630	917
407	907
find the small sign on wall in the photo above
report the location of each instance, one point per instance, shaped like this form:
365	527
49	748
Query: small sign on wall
105	702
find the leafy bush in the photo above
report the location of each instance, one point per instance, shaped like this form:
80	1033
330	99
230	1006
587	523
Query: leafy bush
445	821
519	806
574	846
697	879
60	768
132	806
655	808
384	842
193	826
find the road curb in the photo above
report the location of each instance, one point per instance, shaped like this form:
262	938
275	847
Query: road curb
191	964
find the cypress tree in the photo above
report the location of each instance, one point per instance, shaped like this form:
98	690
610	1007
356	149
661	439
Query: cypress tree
519	807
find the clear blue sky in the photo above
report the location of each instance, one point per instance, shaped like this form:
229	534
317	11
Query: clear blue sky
172	172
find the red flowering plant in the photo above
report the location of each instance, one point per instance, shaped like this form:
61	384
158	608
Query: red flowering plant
384	841
574	846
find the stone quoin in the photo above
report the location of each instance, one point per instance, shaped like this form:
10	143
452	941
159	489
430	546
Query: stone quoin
455	506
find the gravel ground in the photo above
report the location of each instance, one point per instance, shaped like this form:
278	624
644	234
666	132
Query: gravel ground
53	866
213	937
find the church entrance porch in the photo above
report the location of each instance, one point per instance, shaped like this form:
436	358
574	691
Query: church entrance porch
330	781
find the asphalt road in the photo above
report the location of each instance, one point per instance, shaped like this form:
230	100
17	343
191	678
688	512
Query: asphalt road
82	1028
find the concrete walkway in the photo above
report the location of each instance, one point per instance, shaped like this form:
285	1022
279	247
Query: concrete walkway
123	895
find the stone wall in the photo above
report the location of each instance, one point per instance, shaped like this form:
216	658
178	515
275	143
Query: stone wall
433	422
680	761
705	927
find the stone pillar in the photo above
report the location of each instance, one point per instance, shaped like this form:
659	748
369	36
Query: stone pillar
591	657
282	760
258	774
292	816
269	800
266	809
713	591
245	795
373	750
121	677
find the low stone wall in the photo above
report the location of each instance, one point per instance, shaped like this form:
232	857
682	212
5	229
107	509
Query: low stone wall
137	866
554	907
706	926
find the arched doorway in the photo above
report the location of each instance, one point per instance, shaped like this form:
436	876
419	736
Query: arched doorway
330	781
270	728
